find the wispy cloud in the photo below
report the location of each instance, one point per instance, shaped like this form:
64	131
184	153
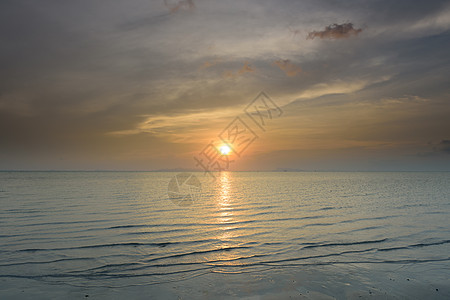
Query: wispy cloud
336	87
247	68
444	146
294	31
437	149
182	4
210	63
195	126
287	67
335	31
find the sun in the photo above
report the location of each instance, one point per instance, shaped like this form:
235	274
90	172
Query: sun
225	149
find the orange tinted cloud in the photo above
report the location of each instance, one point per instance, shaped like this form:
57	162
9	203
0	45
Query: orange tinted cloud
247	68
288	67
335	31
209	64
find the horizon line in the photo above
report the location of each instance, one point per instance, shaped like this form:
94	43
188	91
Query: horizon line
200	171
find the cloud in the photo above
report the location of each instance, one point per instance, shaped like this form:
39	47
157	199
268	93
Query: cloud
182	4
287	67
210	63
336	87
444	146
247	68
294	32
437	149
335	31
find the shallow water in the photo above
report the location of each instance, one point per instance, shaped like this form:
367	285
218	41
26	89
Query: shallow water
264	234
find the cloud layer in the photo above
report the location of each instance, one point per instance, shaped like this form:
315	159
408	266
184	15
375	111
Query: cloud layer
144	84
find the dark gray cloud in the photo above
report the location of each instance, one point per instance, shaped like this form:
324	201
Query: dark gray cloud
335	31
438	149
444	146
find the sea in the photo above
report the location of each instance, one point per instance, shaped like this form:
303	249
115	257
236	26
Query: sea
228	235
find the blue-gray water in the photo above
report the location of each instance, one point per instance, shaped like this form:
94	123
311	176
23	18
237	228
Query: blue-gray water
109	234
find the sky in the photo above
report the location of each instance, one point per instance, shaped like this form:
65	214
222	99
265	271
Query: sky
149	85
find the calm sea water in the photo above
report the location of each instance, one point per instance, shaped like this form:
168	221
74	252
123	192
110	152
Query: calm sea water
249	234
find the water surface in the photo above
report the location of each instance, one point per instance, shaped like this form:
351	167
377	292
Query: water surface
346	235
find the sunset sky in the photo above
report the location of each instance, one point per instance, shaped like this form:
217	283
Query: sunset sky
146	85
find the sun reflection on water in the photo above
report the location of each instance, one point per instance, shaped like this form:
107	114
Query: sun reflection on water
224	189
225	208
226	219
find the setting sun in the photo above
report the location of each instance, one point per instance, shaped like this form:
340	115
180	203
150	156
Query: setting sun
225	150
